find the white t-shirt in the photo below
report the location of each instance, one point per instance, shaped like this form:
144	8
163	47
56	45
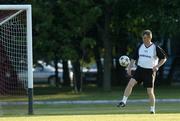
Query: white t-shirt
147	56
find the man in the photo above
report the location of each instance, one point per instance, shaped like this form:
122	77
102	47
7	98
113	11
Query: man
149	59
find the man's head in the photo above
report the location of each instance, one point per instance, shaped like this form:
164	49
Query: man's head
147	36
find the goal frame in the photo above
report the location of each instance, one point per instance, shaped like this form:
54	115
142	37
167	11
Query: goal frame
28	10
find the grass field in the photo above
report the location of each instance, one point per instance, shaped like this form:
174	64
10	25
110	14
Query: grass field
90	109
114	117
96	112
165	111
93	93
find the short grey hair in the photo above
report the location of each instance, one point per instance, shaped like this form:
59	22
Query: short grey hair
147	32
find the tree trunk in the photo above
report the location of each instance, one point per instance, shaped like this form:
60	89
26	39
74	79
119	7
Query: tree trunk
107	68
56	70
99	67
104	33
66	76
107	54
77	76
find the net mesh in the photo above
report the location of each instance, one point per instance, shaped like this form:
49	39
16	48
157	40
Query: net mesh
13	53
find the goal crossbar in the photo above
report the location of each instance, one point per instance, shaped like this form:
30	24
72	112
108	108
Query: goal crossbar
15	7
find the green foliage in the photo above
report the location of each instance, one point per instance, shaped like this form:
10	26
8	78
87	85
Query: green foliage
69	53
88	42
58	23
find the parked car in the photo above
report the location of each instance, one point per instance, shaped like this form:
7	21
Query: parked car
60	67
43	73
89	74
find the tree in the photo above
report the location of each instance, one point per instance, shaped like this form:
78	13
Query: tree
81	15
117	25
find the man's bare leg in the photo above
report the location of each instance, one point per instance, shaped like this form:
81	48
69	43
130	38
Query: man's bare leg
127	92
151	95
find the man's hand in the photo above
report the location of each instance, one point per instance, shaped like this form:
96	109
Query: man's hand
155	68
129	68
129	72
161	62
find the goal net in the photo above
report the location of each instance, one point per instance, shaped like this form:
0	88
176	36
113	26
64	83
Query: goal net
16	50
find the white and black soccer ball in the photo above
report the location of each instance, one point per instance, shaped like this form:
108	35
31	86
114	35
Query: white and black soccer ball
124	61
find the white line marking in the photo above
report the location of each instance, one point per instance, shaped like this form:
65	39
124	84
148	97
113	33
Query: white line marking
1	110
89	102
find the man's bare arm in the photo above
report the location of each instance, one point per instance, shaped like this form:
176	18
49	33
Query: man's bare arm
161	62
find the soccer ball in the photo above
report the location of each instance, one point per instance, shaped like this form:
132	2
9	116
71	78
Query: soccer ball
124	61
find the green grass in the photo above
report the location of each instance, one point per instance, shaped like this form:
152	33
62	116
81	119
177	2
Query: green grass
91	109
96	112
106	109
93	93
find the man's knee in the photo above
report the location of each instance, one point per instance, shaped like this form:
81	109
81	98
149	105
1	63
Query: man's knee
132	82
150	91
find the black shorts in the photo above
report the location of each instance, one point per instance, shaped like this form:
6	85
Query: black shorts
147	76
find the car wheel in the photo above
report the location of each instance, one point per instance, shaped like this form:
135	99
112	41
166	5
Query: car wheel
52	80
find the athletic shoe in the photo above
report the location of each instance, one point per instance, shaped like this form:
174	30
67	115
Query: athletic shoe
121	104
152	112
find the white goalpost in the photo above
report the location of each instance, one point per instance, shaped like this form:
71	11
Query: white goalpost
16	76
